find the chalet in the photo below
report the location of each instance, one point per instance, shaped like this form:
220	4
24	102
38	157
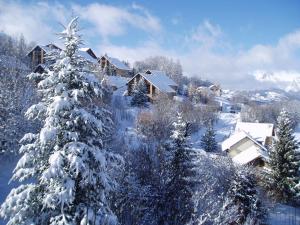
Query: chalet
37	56
248	144
114	66
39	61
156	81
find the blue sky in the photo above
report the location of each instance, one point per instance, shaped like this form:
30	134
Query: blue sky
232	42
245	22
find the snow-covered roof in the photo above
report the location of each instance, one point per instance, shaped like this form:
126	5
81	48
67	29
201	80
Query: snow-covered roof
232	140
117	63
46	48
84	52
248	155
116	81
258	131
160	80
238	136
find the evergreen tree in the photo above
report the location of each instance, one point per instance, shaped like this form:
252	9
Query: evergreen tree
182	177
208	141
66	163
242	205
284	161
139	95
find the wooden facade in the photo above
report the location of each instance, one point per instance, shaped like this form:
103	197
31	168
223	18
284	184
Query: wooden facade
37	55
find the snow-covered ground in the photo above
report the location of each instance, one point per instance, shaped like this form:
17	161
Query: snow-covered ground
224	127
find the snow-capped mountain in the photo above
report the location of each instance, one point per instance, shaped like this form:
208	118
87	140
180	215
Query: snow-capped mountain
294	86
260	96
285	80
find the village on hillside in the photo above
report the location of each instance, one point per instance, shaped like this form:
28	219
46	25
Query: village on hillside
248	142
119	117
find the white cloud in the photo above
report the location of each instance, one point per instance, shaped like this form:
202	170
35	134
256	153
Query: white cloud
232	69
109	20
132	54
34	21
38	21
236	69
206	35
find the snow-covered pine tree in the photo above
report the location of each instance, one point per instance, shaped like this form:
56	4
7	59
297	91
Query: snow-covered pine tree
208	141
242	205
139	95
182	176
283	177
65	164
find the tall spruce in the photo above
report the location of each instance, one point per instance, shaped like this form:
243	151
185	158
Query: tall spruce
139	95
284	161
65	165
182	176
208	141
242	205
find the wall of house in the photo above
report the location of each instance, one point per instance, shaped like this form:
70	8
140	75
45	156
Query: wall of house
258	163
269	141
37	57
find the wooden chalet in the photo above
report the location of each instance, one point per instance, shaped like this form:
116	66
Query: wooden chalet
114	66
37	55
38	60
156	81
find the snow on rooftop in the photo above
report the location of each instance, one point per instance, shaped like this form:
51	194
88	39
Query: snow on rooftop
160	80
247	155
258	131
83	52
117	63
232	140
47	48
84	49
